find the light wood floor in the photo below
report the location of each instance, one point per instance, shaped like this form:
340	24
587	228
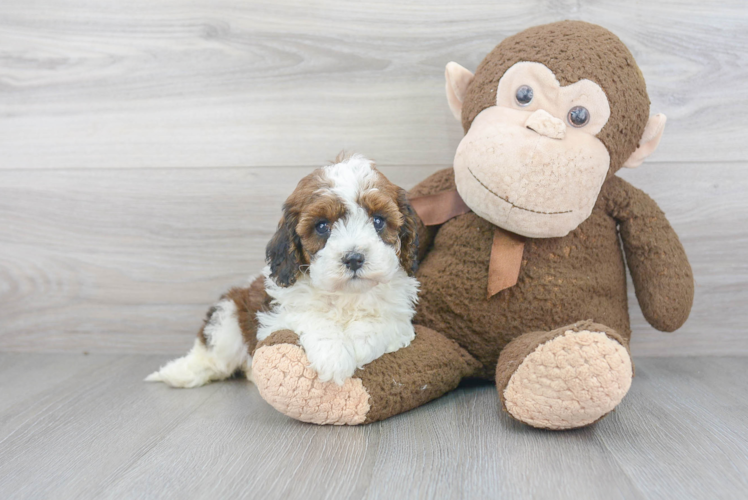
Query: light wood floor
145	150
77	426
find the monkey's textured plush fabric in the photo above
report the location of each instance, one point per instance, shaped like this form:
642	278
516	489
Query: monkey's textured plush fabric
284	379
431	366
574	353
557	342
573	50
561	281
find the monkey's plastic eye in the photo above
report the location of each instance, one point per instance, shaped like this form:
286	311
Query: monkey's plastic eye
578	116
322	228
378	223
524	95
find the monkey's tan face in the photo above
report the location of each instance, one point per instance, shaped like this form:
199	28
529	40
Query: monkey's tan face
532	164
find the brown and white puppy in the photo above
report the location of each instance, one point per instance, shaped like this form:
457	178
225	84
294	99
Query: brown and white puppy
339	274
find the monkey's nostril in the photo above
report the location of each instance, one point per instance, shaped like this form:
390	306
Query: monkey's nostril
353	261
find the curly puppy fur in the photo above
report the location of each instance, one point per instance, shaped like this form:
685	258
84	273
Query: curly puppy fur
339	274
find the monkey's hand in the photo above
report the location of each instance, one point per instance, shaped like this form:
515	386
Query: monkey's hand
662	276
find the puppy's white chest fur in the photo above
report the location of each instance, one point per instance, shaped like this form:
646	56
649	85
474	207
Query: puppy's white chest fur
342	331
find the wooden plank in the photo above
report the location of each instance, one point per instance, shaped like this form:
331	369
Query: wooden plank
73	439
680	433
24	367
196	84
459	446
463	446
239	446
129	260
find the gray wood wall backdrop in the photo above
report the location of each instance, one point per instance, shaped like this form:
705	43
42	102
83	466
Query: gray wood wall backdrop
146	147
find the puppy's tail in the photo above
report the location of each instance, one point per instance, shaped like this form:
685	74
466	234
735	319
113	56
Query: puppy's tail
216	355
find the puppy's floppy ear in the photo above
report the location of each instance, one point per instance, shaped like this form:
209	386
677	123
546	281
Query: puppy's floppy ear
284	252
408	234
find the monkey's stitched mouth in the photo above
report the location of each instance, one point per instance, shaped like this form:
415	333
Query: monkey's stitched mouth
512	204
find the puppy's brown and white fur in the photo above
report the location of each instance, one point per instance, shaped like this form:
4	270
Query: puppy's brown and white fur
339	274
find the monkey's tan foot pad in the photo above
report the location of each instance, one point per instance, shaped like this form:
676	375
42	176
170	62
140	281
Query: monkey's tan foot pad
570	381
284	379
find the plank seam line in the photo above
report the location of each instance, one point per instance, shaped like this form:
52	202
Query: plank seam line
311	166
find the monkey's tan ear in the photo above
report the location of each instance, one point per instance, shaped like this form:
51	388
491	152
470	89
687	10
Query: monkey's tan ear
458	79
649	141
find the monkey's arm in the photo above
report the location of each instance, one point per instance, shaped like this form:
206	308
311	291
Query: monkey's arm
438	182
662	276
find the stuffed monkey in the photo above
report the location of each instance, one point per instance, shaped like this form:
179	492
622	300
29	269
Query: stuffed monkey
523	246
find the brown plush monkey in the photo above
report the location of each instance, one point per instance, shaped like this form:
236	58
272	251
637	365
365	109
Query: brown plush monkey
523	277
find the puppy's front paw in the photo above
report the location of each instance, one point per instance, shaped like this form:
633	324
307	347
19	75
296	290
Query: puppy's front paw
331	361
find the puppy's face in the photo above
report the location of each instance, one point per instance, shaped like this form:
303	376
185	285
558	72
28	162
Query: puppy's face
348	226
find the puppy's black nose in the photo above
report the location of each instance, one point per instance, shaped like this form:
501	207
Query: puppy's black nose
353	261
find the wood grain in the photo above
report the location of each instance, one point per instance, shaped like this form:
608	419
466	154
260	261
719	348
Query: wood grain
129	260
83	432
100	432
141	84
146	147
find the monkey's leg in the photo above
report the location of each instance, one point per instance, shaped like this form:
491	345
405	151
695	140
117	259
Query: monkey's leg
224	343
397	382
566	378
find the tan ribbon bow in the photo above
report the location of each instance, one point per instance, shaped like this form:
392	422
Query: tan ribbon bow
506	250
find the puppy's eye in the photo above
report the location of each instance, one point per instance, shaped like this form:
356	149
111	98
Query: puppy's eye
322	227
378	223
578	116
524	95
